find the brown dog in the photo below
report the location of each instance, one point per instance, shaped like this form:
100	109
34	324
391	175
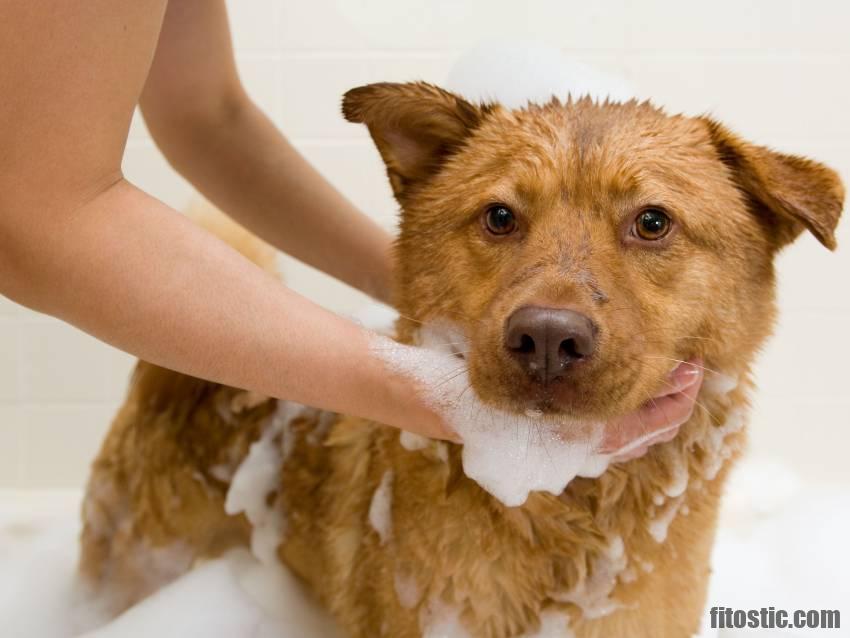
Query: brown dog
637	239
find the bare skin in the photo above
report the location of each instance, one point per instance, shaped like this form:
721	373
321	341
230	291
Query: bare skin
79	242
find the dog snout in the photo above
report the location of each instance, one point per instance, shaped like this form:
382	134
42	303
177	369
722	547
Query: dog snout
548	342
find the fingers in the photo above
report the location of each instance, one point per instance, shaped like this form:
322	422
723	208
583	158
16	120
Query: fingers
431	424
659	418
626	437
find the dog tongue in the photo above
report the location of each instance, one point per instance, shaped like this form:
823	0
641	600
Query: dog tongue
658	419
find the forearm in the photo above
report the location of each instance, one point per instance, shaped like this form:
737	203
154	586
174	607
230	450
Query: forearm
243	164
127	269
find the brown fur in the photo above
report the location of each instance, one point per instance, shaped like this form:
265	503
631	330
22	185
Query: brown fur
575	174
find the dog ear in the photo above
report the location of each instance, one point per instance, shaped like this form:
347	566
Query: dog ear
794	192
416	126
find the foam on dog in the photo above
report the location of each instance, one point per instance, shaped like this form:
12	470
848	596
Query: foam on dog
509	455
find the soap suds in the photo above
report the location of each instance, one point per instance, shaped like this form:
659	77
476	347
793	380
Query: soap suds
765	532
714	445
679	477
222	408
439	620
660	524
719	383
412	442
222	472
325	420
161	565
717	451
592	593
406	589
645	565
380	509
106	509
509	455
553	624
258	476
629	575
247	400
442	452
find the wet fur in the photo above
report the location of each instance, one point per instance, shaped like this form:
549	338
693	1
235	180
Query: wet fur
576	170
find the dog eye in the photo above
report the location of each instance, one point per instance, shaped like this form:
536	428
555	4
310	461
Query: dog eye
652	224
500	220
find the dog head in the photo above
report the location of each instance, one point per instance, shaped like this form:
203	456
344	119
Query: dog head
583	248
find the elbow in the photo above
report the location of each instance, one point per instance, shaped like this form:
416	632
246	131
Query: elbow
31	237
16	283
197	123
24	283
10	249
37	215
19	257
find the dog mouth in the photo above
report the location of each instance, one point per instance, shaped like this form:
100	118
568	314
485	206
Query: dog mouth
657	420
511	450
661	414
510	455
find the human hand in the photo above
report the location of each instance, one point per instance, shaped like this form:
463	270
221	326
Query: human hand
659	419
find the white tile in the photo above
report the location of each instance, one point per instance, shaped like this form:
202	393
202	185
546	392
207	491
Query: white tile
807	355
62	364
254	23
311	88
61	441
774	70
145	167
835	155
10	360
258	72
11	446
25	315
822	25
448	25
811	278
321	288
788	102
258	75
358	172
9	308
721	25
138	128
809	434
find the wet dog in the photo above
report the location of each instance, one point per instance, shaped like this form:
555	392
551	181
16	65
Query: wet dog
578	253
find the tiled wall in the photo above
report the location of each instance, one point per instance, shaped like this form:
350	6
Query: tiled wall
776	70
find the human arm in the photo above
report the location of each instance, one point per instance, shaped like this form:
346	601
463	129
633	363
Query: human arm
79	242
214	135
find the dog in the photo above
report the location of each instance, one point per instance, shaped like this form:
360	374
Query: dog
580	250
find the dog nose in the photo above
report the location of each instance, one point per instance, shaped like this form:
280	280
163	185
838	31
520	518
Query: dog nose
548	341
